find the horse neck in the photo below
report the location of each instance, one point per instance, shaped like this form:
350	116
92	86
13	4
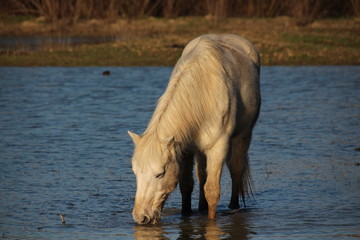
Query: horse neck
169	118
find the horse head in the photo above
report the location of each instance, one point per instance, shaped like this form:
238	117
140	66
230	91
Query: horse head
155	166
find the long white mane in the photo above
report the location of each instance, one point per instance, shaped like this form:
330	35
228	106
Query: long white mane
179	111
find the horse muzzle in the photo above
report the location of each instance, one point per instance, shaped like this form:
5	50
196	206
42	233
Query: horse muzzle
144	218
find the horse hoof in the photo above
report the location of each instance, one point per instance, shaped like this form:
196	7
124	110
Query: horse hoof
186	213
234	206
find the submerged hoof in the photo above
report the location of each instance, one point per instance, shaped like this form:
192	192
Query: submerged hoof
186	212
234	206
203	207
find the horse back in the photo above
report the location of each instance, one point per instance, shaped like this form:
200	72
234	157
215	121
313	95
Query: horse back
234	43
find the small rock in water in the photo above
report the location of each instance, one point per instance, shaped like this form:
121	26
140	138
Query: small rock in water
62	218
106	73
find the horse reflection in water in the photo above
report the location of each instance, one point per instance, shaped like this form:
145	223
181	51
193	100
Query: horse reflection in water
229	226
207	113
209	232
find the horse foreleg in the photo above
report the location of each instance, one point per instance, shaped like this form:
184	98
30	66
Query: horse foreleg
215	159
201	175
186	182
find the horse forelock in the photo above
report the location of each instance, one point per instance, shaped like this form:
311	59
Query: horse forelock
149	148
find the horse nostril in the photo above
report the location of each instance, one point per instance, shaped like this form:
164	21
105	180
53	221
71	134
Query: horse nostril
145	220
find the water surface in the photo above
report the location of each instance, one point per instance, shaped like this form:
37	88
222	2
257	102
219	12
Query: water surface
64	149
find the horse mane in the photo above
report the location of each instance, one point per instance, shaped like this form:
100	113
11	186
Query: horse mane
189	95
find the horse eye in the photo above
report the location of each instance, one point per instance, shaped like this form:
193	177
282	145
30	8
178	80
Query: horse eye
160	175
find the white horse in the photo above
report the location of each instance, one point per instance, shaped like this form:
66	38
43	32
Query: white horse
207	112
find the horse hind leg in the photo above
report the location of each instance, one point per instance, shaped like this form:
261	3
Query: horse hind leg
238	165
186	182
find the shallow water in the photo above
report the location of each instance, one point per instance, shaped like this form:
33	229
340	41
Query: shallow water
31	43
64	149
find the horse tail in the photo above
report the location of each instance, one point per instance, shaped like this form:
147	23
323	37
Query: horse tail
251	52
239	168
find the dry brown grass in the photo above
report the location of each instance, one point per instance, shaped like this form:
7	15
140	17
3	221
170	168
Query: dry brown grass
155	41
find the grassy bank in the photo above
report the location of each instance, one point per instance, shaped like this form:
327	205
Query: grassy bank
159	42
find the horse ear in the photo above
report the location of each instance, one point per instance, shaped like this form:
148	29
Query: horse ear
169	153
170	142
135	138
